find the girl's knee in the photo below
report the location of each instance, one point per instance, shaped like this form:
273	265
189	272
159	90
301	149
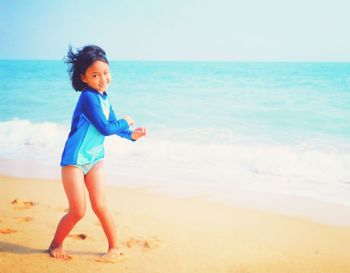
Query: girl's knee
77	214
99	209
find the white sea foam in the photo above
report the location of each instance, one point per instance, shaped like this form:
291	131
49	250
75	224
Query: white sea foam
195	165
20	139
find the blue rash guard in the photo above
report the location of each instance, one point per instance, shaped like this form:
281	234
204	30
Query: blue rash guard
93	119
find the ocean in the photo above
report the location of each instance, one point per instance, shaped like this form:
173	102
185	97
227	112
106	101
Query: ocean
214	128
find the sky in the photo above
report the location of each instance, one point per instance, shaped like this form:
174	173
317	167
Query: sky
180	30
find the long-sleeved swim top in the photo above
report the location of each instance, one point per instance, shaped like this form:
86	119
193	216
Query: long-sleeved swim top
93	119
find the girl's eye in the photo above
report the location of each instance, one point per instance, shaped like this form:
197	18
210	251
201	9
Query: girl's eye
94	76
106	73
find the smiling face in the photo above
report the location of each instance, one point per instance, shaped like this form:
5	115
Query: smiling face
97	76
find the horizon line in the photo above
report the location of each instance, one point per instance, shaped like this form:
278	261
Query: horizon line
187	60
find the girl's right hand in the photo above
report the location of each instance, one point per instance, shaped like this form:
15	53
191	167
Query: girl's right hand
129	120
138	132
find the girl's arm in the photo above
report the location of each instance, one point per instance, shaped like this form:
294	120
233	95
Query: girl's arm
125	133
92	109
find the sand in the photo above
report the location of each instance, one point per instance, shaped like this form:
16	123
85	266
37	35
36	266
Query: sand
163	234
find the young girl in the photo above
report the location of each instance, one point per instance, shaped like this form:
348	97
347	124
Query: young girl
82	158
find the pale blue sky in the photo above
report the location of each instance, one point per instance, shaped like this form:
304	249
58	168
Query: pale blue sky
238	30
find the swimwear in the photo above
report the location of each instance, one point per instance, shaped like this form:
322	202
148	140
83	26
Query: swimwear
86	167
93	119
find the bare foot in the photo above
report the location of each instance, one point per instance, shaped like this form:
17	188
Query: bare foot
114	255
58	252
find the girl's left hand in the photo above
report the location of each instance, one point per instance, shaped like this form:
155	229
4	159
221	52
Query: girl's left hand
138	132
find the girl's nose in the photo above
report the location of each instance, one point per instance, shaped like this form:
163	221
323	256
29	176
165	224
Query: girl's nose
104	79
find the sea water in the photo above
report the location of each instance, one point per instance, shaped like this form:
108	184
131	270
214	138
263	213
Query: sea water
214	128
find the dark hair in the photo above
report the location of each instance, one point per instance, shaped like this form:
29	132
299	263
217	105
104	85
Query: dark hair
80	61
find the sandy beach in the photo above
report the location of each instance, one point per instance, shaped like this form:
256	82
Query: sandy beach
159	233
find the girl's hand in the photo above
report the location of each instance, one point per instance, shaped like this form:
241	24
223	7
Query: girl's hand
138	132
129	120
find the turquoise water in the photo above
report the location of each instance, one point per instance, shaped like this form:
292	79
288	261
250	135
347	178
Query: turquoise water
275	100
279	127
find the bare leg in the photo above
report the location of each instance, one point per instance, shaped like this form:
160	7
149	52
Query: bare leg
95	183
73	183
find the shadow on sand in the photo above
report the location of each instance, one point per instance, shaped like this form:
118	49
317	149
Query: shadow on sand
20	249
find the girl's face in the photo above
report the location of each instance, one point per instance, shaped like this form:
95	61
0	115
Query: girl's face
97	76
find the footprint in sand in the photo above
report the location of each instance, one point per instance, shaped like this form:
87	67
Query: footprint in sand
59	209
120	257
80	236
20	204
25	219
7	231
145	244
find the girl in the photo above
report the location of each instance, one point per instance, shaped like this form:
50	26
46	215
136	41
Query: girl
82	158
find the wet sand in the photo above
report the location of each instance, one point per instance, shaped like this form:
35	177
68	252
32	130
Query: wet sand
159	233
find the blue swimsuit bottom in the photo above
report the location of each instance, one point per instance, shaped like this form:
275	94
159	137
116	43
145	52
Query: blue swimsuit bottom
86	167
